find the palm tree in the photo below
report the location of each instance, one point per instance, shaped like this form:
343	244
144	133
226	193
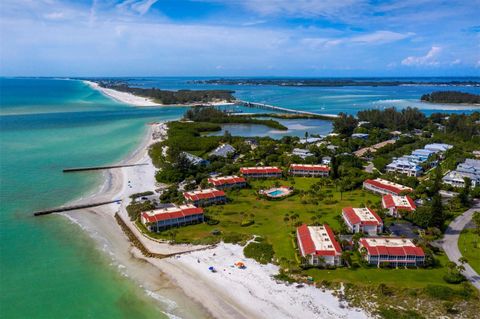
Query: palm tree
173	234
293	218
462	260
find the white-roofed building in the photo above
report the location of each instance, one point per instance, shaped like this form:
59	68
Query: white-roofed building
406	167
223	150
438	147
468	169
302	153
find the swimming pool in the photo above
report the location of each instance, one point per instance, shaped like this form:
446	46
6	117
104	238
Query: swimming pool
276	193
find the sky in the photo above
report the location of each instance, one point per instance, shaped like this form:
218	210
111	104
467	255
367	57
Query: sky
311	38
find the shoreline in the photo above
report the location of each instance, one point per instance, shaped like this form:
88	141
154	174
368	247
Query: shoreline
183	282
135	100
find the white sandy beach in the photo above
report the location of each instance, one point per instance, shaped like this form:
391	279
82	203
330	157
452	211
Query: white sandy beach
123	97
135	100
181	284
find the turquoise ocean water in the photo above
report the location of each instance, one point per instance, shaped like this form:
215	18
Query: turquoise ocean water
49	268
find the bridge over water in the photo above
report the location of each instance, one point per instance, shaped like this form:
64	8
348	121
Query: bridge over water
279	108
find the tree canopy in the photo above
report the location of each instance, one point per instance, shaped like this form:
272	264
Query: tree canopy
451	97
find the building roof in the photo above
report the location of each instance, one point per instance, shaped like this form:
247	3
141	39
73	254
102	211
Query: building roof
373	148
223	150
362	216
217	181
387	185
260	170
398	202
310	167
391	246
403	164
474	163
311	140
318	240
470	168
193	159
460	176
360	135
171	212
203	194
438	147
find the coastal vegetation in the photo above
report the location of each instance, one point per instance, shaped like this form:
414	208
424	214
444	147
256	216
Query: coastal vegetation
172	97
292	116
400	120
455	97
214	115
329	82
267	228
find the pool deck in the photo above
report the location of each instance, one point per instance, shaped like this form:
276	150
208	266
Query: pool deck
279	192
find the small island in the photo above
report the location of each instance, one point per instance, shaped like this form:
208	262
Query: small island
452	97
167	97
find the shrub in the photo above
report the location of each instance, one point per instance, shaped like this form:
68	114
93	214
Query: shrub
261	252
330	201
390	313
439	292
454	278
247	222
134	209
234	238
212	222
137	195
282	276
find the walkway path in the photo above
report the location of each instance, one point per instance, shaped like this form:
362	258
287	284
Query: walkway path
450	242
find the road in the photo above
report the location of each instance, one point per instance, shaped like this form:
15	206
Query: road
450	242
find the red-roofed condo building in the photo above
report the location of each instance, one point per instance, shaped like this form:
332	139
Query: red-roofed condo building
397	204
318	246
225	182
309	170
396	252
261	172
205	197
362	220
160	219
384	187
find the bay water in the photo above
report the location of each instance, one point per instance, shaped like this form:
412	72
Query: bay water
49	268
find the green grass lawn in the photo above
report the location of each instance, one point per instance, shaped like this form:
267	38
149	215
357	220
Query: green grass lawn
269	215
270	224
401	277
469	246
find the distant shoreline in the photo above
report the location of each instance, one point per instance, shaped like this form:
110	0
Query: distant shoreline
135	100
452	104
307	82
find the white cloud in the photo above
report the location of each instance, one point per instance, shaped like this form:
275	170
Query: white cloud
306	8
137	6
380	37
456	61
377	37
256	22
54	15
429	59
